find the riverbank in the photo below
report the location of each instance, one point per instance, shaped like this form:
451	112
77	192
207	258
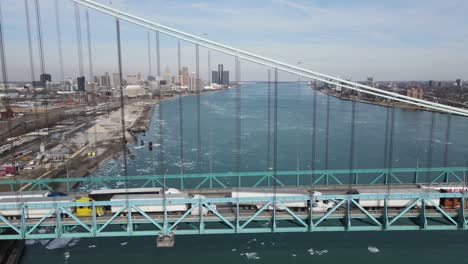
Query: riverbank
385	103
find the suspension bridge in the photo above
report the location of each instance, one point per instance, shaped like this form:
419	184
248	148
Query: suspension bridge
210	206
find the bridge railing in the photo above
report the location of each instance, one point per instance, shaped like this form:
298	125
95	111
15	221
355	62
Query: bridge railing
56	219
246	179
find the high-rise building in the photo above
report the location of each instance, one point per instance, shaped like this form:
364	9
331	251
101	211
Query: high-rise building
81	83
45	77
184	79
132	79
104	80
459	82
431	83
220	77
115	80
167	75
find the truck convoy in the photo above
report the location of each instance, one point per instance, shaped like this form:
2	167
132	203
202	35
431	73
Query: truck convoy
151	201
130	194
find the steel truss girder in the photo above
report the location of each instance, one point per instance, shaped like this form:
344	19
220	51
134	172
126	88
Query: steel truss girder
337	218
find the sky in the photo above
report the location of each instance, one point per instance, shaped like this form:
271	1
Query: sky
389	40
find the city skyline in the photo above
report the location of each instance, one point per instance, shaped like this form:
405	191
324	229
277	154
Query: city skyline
397	41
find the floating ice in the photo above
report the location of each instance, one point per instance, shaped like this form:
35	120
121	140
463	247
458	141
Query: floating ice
234	249
30	242
66	255
252	255
317	252
91	246
58	243
294	255
44	241
263	243
373	250
123	243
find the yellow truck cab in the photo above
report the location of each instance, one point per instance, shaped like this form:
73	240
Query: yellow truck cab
85	210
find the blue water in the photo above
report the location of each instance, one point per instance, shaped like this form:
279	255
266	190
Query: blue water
410	149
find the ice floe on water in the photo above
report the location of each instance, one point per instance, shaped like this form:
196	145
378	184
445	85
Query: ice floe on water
30	242
73	242
252	240
251	255
67	256
58	243
91	246
317	252
373	250
234	249
123	243
294	255
44	241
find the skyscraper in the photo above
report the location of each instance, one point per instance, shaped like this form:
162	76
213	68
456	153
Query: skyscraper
184	77
167	76
46	77
115	80
81	83
220	77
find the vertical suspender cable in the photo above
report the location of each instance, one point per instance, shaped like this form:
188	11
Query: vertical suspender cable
314	140
387	127
181	113
90	48
447	140
28	28
275	144
430	148
42	65
238	123
78	39
389	146
122	105
327	131
149	54
209	67
162	167
59	40
197	87
268	160
158	57
39	36
351	144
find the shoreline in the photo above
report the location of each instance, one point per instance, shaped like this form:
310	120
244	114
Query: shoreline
401	105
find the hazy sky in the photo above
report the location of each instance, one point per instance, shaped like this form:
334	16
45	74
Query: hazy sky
390	40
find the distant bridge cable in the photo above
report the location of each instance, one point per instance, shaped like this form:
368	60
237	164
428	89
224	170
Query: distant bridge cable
28	28
39	36
59	39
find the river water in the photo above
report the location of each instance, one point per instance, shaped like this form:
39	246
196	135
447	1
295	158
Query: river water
411	141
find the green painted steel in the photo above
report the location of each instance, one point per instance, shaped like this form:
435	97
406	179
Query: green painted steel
251	179
57	220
